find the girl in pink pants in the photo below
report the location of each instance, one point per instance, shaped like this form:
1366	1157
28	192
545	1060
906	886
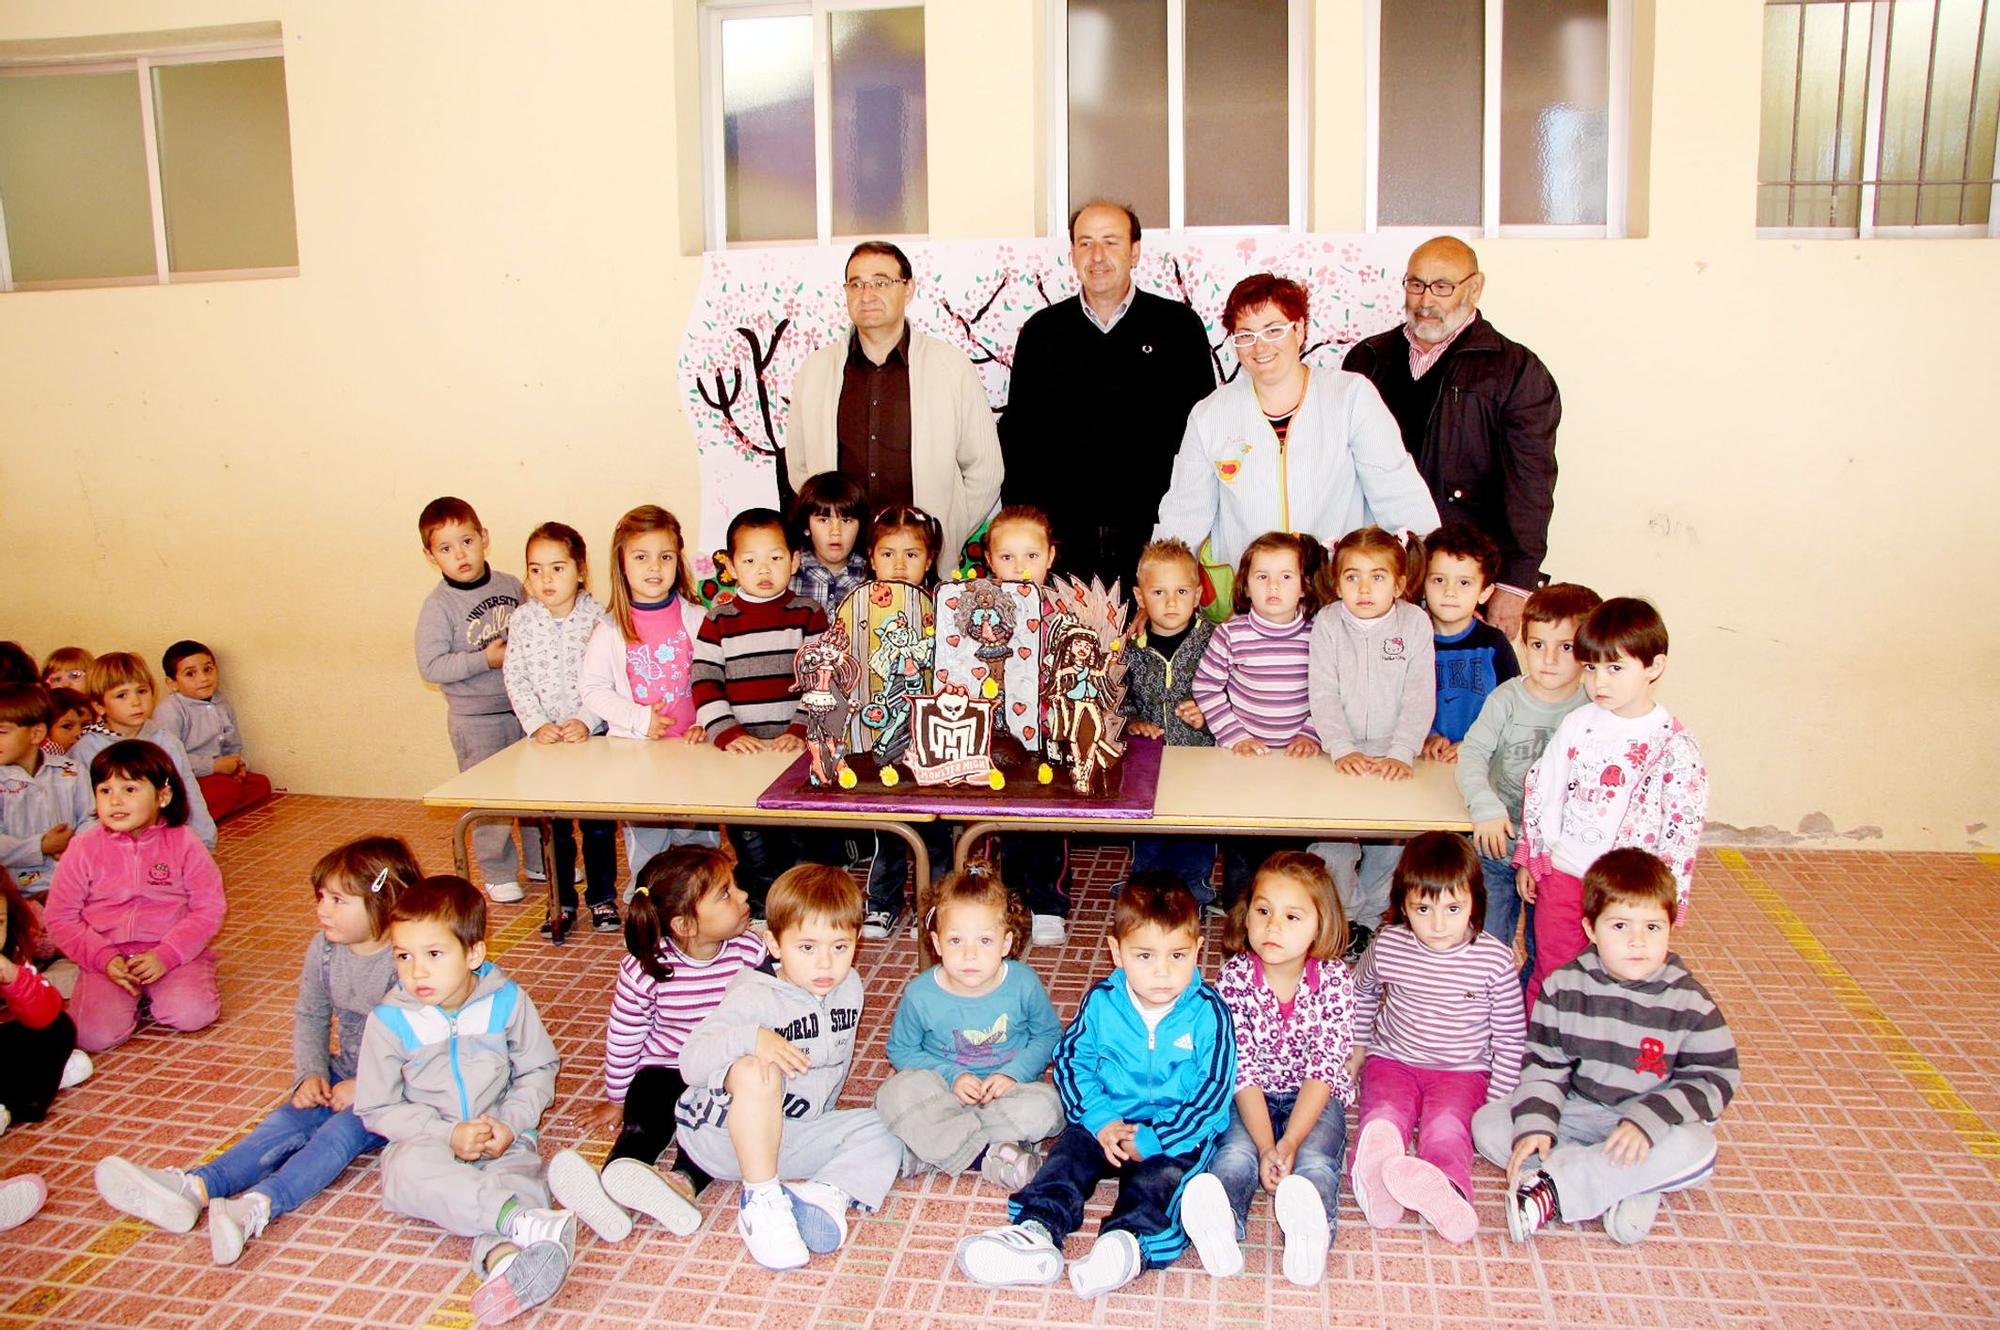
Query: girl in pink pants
136	902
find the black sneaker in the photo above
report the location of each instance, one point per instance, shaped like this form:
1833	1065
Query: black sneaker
1358	938
568	922
604	918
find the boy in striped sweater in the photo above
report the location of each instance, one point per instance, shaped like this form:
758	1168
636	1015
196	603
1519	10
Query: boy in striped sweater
741	678
1629	1065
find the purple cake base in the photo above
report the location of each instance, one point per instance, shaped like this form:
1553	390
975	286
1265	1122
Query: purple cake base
1138	779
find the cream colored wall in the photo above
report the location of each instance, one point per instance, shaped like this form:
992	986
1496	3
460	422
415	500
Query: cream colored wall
493	234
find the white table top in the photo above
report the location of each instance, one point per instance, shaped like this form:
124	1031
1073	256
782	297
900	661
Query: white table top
1199	787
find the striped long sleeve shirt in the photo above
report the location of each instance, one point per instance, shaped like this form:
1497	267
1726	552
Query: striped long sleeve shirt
650	1018
1252	681
742	675
1657	1050
1455	1010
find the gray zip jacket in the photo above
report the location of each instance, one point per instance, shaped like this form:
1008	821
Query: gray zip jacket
759	1000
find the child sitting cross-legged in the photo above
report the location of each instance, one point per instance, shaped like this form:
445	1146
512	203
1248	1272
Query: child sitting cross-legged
972	1037
1629	1066
205	724
1146	1071
765	1068
38	1052
455	1073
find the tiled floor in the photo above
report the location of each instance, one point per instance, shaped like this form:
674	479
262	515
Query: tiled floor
1859	1184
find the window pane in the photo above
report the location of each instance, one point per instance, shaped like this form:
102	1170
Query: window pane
767	128
1826	55
1433	109
1927	119
226	165
1237	113
73	177
880	180
1554	113
1118	104
1985	121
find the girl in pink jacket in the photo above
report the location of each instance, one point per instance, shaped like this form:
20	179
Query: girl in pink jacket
136	902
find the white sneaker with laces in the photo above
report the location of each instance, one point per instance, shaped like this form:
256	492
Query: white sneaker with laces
1049	930
820	1211
504	893
1112	1262
165	1197
769	1230
1005	1257
75	1071
233	1221
1211	1225
878	924
529	1227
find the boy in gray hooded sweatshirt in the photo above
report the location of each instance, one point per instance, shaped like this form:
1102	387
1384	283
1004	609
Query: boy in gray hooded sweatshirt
765	1067
455	1072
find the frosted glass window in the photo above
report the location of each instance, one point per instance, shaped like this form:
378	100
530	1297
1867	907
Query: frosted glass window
767	128
73	177
1433	110
1814	117
1554	113
1938	105
1118	104
225	165
881	182
1236	120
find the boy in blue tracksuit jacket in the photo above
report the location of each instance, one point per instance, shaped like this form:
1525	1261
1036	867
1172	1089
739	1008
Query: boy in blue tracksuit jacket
1146	1072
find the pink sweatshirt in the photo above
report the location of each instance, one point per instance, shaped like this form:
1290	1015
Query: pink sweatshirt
119	895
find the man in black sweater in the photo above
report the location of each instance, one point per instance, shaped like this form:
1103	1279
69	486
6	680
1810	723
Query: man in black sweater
1101	390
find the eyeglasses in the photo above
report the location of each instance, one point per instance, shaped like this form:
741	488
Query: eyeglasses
1440	288
1275	333
856	285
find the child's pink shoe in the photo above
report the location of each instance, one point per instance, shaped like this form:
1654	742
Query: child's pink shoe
1423	1187
1379	1144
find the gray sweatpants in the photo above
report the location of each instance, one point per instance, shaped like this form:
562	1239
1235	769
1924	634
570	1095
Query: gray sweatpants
643	842
849	1148
943	1134
425	1180
473	740
1362	871
1588	1184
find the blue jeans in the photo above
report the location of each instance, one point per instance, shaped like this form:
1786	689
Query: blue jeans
1319	1160
1189	858
1503	902
290	1156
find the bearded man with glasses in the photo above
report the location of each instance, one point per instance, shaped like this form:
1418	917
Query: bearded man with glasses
1478	413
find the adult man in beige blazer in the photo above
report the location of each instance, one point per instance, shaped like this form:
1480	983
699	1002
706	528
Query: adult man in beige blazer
902	413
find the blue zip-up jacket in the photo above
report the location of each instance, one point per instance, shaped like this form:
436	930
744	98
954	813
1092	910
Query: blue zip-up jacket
423	1070
1175	1087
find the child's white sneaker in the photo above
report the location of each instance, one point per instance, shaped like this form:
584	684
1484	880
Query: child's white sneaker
576	1184
769	1230
1112	1262
20	1199
1303	1220
165	1197
504	893
1211	1225
233	1221
820	1211
529	1227
1630	1219
641	1187
1016	1254
75	1071
526	1278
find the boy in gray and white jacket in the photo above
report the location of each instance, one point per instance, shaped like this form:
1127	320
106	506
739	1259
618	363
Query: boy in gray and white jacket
765	1067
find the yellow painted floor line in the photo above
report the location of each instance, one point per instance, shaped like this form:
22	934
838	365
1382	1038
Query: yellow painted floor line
117	1237
1979	1137
1990	860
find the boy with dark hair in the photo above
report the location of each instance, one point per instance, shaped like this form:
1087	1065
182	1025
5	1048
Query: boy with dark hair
829	526
1147	1072
44	800
1630	1063
1473	657
461	644
455	1072
206	726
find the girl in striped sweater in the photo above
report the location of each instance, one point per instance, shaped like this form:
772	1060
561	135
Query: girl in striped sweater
1439	1013
687	934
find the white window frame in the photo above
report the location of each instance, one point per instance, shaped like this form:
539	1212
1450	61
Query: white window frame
1618	133
715	197
1873	111
142	66
1298	120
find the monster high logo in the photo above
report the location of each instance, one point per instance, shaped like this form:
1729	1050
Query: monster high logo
952	738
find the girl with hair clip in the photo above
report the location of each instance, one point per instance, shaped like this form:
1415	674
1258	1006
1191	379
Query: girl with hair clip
136	902
302	1145
636	665
546	638
38	1052
972	1036
1251	684
1374	694
687	934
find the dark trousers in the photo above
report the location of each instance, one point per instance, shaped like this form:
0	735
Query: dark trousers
31	1065
649	1122
1149	1194
600	861
1035	866
1189	858
889	875
1242	856
761	854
